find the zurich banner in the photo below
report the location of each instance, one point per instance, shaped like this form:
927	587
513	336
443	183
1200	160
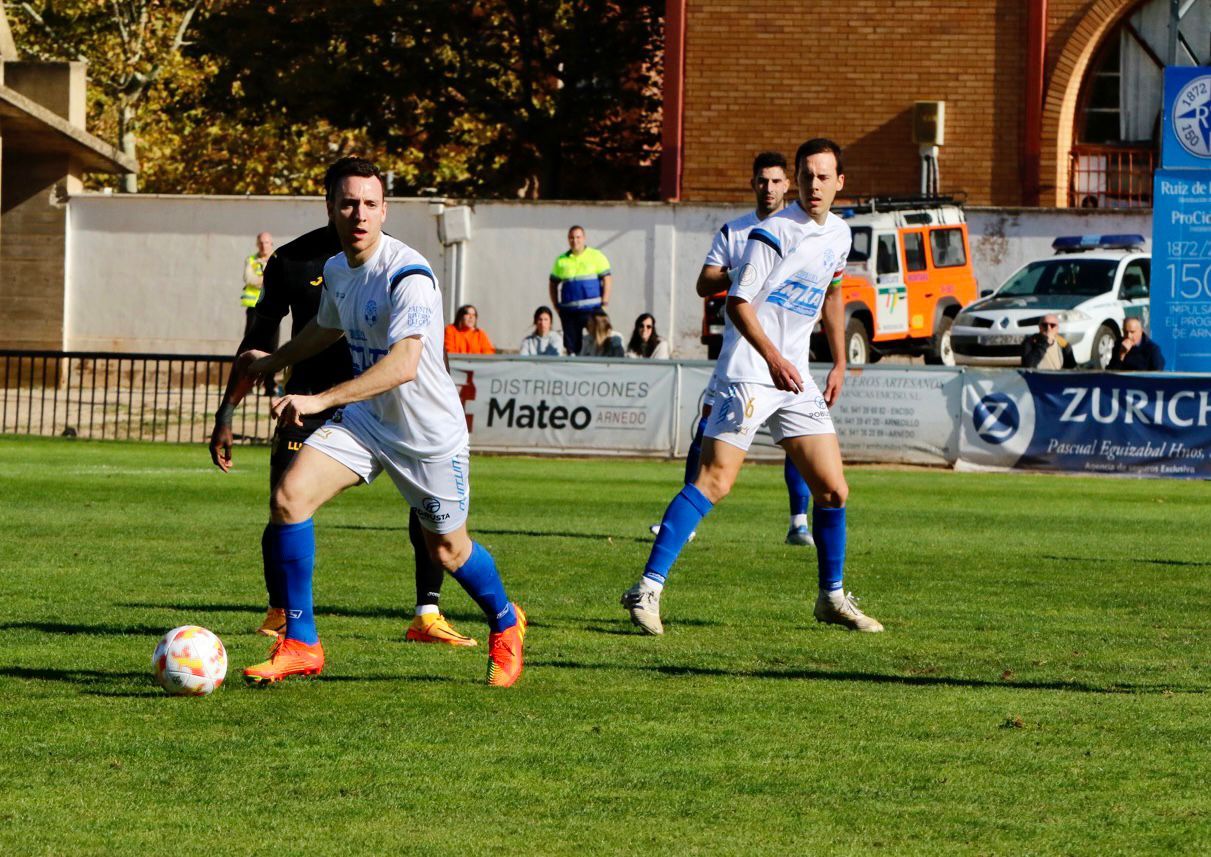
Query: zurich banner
1086	422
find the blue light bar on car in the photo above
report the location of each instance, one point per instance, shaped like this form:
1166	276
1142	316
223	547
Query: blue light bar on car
1080	243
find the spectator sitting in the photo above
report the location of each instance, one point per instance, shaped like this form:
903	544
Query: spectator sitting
602	340
464	337
543	342
645	342
1047	349
1136	352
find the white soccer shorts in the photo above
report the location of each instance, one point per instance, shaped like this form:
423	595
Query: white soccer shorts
741	409
439	491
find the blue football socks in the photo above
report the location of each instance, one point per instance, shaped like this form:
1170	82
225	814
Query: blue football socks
479	577
796	488
695	454
681	518
829	528
273	581
292	552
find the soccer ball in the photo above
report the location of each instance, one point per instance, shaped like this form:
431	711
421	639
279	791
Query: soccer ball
189	661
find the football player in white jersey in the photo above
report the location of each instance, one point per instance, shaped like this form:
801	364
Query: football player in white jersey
769	184
400	413
790	276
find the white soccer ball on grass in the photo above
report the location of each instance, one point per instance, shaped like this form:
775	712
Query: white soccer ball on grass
189	661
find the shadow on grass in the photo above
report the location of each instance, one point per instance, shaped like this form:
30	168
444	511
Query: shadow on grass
401	613
876	678
1136	561
91	682
539	534
77	628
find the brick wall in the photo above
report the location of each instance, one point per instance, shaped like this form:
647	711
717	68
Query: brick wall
764	74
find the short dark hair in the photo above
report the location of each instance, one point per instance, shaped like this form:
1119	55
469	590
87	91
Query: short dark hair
346	167
765	160
574	227
818	146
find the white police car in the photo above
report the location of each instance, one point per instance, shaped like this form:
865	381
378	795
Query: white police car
1092	283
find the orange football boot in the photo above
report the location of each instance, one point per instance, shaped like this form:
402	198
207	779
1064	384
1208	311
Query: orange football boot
436	628
505	652
287	657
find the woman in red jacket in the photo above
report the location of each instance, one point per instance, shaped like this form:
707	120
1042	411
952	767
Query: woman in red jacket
463	337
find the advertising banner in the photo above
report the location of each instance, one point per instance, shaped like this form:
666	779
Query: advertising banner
898	415
1086	422
545	405
1181	224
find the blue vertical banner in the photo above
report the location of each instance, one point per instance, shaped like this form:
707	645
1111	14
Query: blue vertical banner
1181	223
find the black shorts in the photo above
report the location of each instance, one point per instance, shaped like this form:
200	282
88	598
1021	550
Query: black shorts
287	441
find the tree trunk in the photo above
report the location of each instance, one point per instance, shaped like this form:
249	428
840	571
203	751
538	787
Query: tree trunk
126	134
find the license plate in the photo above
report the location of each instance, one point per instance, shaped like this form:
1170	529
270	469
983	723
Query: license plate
1001	340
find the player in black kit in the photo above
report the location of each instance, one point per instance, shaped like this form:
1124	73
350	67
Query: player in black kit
293	277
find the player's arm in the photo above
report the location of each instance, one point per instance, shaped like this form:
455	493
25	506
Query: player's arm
832	320
607	279
266	319
714	276
397	367
781	370
311	340
553	290
762	252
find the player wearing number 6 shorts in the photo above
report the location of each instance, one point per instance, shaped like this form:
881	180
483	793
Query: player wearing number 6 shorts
790	276
400	413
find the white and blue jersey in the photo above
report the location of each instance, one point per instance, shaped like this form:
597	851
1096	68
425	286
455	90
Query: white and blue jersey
789	264
392	297
727	249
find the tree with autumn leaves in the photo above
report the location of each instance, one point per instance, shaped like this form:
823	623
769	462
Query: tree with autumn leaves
494	98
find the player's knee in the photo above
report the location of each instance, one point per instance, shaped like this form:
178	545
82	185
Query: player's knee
286	505
450	555
833	496
714	484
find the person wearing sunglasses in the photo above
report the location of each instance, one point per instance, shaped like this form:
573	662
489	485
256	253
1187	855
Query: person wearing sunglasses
1047	349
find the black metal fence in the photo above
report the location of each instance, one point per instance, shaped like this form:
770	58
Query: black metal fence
165	397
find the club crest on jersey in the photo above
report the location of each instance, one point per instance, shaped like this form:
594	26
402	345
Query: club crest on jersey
829	258
370	314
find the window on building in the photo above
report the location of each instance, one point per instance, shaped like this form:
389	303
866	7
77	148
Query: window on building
947	248
914	251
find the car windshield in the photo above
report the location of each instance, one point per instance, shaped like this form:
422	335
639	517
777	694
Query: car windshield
1063	276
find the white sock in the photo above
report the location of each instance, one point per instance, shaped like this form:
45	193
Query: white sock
798	521
426	609
836	597
649	584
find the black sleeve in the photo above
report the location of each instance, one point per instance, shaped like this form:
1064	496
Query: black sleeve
1032	353
1069	357
1116	362
1156	360
271	308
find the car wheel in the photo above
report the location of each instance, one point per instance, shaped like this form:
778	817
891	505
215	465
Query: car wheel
857	342
1104	343
940	353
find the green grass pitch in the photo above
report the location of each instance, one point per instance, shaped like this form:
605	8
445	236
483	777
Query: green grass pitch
1041	688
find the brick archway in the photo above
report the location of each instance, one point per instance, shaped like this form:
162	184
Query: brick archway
1060	103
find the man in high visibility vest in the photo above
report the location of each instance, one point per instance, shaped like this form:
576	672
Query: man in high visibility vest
254	275
579	284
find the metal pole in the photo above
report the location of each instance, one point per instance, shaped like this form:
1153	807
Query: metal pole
1175	20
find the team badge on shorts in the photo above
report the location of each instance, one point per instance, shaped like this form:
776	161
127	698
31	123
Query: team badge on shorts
370	313
432	505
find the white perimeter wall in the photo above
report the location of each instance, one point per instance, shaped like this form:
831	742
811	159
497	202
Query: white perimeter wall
163	273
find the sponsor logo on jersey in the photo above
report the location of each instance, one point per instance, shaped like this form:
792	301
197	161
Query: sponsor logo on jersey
417	316
431	505
748	276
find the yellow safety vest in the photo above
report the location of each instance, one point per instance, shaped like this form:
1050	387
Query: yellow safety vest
251	293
